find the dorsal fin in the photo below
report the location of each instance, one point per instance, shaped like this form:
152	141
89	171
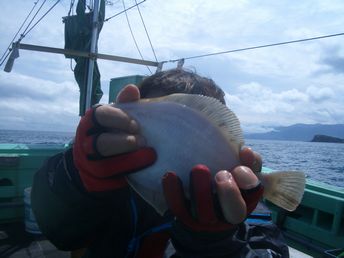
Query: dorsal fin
217	113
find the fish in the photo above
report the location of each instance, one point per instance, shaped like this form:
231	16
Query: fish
190	129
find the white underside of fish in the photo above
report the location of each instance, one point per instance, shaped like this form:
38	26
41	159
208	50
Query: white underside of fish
182	138
186	130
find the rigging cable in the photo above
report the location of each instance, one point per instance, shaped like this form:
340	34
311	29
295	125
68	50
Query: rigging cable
71	7
260	46
132	35
26	31
90	5
144	25
113	16
42	17
23	34
21	26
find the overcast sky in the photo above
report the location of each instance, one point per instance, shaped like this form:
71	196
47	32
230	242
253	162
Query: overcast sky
281	85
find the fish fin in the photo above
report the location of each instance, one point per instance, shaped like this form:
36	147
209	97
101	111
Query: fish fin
218	113
284	188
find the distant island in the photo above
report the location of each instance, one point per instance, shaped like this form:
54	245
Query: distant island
300	132
326	138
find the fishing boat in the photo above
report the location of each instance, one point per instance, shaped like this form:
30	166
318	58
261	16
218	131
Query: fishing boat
315	228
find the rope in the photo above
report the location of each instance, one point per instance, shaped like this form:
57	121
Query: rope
133	37
71	7
26	31
144	25
23	34
261	46
107	19
21	26
42	17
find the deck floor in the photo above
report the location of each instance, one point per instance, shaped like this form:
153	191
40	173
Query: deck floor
15	242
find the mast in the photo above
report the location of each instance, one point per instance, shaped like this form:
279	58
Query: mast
93	53
85	53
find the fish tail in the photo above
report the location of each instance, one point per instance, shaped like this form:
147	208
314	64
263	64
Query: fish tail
284	188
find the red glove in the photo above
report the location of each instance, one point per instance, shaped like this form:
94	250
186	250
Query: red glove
202	201
99	173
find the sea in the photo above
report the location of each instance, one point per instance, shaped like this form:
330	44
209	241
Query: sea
322	162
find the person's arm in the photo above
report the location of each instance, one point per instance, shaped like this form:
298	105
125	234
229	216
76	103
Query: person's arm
68	216
76	192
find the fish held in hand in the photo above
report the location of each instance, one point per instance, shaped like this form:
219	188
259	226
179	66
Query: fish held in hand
186	130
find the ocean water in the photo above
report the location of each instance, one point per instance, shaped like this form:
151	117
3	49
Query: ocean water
322	162
35	137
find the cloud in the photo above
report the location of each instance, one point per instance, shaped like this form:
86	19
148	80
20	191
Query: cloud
31	103
317	94
261	100
279	85
336	63
259	108
293	95
333	60
22	86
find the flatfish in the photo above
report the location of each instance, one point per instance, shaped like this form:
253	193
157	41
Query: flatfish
188	129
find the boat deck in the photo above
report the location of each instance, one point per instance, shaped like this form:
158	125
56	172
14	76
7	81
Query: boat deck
15	242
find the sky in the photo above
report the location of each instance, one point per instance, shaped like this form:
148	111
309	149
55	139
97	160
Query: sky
266	87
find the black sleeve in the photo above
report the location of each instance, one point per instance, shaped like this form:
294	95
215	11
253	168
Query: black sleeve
68	216
264	240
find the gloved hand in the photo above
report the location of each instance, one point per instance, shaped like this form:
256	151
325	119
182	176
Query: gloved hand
206	225
199	214
108	146
202	214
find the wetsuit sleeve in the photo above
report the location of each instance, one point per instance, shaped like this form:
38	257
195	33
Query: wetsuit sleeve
67	215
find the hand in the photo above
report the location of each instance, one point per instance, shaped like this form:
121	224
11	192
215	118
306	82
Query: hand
250	188
108	145
238	193
200	228
251	159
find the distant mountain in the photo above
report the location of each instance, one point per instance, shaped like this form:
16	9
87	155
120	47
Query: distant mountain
300	132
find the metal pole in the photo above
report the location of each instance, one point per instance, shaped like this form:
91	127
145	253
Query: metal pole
93	51
76	53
